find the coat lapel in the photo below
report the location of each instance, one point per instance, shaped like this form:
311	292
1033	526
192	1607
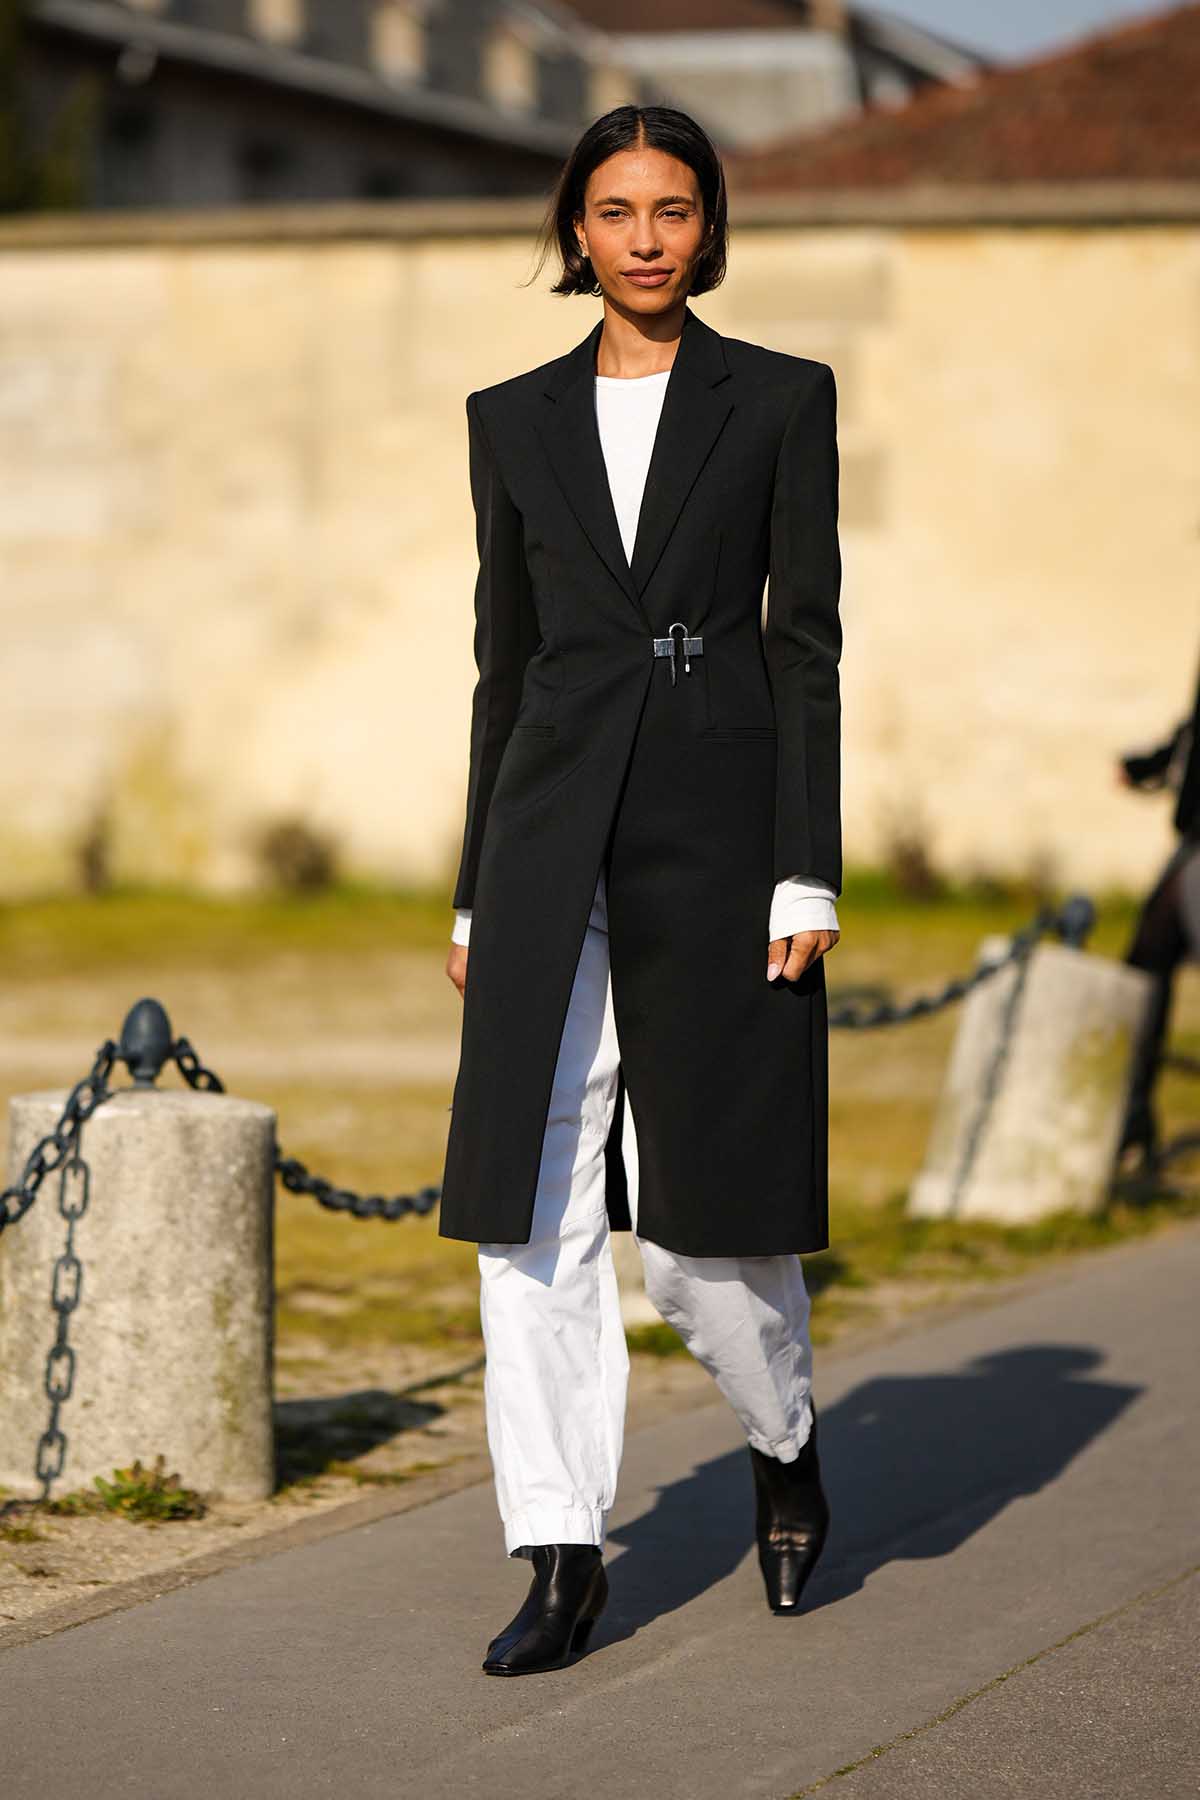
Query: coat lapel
693	412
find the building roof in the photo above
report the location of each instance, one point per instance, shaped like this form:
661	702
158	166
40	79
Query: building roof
658	16
1120	106
942	56
108	22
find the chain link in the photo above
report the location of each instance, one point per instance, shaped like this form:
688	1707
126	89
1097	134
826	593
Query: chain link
194	1071
298	1179
66	1291
866	1018
52	1151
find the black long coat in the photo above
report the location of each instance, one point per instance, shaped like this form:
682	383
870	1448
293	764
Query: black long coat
696	795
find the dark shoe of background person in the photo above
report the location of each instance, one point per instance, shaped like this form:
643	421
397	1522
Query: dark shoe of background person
565	1599
791	1522
1139	1150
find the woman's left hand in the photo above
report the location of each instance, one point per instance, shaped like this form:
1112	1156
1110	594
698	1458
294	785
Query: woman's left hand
789	957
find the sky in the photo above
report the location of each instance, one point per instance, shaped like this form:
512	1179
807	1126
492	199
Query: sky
1013	29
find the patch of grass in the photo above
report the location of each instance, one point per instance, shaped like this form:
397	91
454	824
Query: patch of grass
20	1534
76	933
880	1249
655	1340
381	1477
156	932
344	1282
883	1245
149	1496
72	1505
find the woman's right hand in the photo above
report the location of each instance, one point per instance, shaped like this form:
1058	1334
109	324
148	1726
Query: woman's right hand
456	967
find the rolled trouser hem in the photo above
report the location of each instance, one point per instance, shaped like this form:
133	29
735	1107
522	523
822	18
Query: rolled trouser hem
787	1449
543	1525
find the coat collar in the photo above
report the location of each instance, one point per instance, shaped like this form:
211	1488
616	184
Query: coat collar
695	407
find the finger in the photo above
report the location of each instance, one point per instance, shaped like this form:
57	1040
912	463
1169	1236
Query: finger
806	947
804	951
777	951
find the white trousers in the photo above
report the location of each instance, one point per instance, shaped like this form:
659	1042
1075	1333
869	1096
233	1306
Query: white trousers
557	1364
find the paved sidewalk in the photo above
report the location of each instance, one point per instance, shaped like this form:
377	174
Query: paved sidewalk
1006	1607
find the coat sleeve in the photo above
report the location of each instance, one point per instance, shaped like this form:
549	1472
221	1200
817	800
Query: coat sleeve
506	635
1148	768
802	638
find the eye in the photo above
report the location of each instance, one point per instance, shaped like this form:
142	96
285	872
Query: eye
677	214
612	213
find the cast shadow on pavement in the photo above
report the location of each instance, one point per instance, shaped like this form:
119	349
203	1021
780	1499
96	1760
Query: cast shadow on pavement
913	1466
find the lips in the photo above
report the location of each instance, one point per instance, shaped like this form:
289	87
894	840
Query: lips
648	277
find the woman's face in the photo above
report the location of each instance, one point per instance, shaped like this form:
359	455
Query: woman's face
643	227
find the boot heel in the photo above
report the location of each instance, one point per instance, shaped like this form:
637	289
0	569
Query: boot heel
598	1599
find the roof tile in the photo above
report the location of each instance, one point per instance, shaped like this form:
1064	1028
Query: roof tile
1121	105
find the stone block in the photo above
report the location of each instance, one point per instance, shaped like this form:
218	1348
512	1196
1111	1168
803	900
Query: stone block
1034	1095
173	1334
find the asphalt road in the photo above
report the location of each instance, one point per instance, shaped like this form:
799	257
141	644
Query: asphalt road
1008	1605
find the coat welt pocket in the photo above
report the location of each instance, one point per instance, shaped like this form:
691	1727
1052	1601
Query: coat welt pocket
734	732
535	730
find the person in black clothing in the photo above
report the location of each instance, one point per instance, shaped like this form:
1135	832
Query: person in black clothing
1168	927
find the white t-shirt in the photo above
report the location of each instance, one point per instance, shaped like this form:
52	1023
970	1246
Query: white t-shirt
627	413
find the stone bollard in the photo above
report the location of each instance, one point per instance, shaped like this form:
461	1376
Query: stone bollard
1032	1103
173	1333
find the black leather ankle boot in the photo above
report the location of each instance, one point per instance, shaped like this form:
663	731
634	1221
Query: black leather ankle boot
791	1521
564	1601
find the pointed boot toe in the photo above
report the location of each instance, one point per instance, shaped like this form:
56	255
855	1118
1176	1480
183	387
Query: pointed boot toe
791	1522
565	1598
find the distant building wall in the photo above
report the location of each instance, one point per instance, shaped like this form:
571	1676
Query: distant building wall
237	552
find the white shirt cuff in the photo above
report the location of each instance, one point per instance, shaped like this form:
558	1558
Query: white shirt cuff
802	903
461	933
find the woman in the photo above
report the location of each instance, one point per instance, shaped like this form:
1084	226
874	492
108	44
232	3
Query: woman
650	861
1167	932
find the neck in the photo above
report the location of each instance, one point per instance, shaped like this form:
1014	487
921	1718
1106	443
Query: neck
631	345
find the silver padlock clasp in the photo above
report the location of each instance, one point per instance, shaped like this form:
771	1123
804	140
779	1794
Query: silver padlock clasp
670	645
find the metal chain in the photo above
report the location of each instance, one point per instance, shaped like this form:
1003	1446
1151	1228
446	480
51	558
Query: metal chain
990	1089
66	1291
865	1018
193	1070
52	1151
297	1179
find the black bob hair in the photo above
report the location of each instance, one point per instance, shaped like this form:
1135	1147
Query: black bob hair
635	128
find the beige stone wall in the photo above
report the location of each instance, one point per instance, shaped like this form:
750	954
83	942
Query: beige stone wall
237	554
